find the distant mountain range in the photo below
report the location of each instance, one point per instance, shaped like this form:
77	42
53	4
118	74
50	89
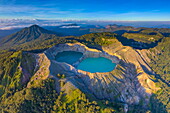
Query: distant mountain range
73	27
128	35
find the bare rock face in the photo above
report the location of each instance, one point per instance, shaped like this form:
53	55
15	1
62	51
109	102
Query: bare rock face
129	82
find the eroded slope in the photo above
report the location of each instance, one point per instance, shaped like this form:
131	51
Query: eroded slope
129	82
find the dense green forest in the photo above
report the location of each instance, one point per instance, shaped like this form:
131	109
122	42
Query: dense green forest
16	97
160	64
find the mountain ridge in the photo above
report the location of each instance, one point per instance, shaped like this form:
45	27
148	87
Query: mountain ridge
27	34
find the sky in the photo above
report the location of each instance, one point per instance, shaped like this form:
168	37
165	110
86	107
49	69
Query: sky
115	10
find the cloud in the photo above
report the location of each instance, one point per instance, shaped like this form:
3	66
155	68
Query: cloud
13	27
7	24
50	11
29	9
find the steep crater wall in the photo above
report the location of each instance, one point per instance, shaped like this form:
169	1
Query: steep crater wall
64	68
129	82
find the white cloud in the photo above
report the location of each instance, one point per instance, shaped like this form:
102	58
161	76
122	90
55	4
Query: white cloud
14	11
29	9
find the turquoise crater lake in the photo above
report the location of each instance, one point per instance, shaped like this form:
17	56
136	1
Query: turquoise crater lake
92	65
69	57
99	64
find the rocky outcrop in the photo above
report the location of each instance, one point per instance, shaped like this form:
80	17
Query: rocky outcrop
41	68
87	52
129	82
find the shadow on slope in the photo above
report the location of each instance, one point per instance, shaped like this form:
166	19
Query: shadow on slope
137	45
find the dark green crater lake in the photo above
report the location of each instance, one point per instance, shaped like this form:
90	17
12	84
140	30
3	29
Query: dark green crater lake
69	57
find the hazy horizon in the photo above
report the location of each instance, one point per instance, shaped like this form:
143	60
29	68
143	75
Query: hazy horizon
6	24
22	13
